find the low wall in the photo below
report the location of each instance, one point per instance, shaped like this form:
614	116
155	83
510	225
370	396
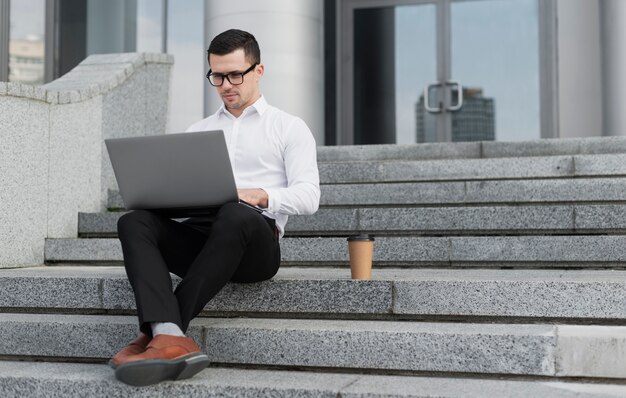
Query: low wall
53	161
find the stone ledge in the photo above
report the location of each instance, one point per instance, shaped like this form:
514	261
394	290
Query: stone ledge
19	379
81	84
473	150
512	349
550	294
511	220
411	346
494	251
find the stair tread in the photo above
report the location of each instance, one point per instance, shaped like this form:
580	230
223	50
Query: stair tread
18	379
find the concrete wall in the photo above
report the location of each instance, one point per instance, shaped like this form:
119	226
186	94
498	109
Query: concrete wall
53	162
290	36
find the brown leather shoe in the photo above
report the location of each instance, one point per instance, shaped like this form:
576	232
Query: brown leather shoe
135	347
167	357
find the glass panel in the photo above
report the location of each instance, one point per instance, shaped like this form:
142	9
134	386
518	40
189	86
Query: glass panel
495	56
185	41
416	68
26	41
394	60
149	25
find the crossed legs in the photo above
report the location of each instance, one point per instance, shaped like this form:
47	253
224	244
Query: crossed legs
239	244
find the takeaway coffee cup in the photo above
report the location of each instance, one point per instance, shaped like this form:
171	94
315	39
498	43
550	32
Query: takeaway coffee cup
361	250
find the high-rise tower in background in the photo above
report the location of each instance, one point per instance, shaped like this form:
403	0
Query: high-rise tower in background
475	121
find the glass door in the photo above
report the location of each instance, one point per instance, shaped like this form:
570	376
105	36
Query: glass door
440	70
494	54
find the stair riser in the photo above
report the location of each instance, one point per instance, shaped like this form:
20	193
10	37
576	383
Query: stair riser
602	190
474	169
450	220
427	293
485	149
418	347
493	251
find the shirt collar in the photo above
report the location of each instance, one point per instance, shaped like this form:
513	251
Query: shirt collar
260	106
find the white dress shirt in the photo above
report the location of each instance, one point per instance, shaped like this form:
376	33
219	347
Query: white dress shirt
272	150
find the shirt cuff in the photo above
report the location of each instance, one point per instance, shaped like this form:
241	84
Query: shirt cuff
274	200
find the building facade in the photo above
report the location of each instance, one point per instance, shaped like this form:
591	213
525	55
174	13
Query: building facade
354	69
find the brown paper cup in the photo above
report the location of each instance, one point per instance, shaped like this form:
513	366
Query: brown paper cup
361	250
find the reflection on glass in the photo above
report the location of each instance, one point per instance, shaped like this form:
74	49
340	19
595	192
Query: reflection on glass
495	56
416	67
185	41
26	41
149	25
475	121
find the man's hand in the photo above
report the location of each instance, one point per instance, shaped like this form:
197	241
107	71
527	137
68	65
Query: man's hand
254	196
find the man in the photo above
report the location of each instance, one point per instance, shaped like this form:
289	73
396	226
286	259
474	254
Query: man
273	156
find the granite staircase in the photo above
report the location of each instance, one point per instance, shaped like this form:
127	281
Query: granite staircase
500	270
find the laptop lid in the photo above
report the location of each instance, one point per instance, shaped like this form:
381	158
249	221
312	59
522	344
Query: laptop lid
179	175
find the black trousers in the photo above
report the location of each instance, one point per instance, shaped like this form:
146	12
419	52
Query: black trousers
235	244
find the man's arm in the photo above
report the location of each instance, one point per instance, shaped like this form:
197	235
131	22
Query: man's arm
302	194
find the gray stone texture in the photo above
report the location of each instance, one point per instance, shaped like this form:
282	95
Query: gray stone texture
515	349
70	336
440	347
434	292
420	220
605	165
476	192
528	249
469	150
72	186
552	147
601	217
54	162
591	351
392	152
549	251
418	387
20	379
450	169
24	160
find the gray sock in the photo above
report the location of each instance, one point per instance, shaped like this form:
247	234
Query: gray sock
165	328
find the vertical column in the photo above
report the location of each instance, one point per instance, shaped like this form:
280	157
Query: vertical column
290	34
613	17
4	40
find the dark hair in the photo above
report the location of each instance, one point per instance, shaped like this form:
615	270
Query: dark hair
234	39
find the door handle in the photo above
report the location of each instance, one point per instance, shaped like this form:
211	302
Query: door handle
427	98
459	90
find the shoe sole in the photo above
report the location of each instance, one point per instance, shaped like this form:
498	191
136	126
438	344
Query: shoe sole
152	371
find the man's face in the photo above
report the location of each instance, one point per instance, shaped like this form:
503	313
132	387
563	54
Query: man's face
236	97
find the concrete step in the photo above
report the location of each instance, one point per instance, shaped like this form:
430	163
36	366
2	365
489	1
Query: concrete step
511	192
32	379
427	220
462	251
596	295
473	169
595	190
473	150
500	349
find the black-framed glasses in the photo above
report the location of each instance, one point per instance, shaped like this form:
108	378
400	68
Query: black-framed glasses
234	78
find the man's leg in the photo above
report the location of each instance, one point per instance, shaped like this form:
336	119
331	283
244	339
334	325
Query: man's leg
242	246
153	246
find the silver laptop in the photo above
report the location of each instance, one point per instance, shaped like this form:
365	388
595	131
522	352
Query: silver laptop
177	175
